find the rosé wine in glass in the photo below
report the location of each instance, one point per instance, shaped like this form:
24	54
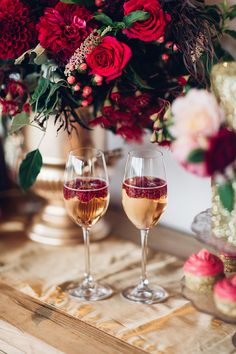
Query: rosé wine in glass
144	199
86	196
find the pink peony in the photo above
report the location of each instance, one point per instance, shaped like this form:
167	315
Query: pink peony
196	114
181	148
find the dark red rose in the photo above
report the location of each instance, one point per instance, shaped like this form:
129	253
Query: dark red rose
109	58
221	151
63	28
17	30
151	29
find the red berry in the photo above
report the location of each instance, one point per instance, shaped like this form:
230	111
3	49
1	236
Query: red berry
87	90
165	56
84	103
71	80
98	79
77	87
83	67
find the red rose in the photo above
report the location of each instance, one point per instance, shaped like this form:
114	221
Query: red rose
151	29
63	28
109	58
17	30
221	152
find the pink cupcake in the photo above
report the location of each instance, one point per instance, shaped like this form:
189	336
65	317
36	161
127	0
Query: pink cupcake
225	296
202	271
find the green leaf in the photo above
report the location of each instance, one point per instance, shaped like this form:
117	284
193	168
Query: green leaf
231	13
226	194
231	33
136	79
29	169
101	17
40	90
19	121
86	3
135	16
196	156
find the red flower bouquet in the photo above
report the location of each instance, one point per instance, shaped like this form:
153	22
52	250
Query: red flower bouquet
124	59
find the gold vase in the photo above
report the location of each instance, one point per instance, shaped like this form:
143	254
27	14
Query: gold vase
223	81
52	225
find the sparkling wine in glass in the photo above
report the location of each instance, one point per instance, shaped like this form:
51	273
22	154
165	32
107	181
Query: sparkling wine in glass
86	196
144	199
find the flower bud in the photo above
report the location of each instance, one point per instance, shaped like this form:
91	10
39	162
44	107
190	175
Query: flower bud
175	48
169	44
153	138
161	39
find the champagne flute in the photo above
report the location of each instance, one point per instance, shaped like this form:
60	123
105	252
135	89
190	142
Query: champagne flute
144	199
86	198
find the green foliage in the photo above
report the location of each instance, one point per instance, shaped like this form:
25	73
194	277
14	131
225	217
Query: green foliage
87	3
134	77
196	156
29	169
226	193
231	13
231	33
19	121
101	17
135	16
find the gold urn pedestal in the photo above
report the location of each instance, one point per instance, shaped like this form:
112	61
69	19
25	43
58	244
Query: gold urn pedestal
53	227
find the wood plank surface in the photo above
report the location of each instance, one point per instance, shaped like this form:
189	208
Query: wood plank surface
57	328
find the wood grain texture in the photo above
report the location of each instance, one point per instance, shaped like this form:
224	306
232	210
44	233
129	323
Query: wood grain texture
17	341
57	328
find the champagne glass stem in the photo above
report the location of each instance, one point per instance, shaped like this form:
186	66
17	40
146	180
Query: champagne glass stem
144	237
87	275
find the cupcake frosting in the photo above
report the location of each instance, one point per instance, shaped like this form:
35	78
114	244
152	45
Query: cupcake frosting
204	263
226	288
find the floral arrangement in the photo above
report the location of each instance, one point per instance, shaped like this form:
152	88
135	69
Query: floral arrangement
203	142
126	60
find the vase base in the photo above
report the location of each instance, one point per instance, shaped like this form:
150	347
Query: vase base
53	227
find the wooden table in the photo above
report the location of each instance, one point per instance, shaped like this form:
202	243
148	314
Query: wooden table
36	316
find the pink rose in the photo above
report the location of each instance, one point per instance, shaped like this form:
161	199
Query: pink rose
196	114
151	29
109	58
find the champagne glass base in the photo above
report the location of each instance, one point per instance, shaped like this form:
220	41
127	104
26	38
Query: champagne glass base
94	292
145	295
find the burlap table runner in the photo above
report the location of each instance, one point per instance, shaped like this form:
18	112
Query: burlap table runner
172	327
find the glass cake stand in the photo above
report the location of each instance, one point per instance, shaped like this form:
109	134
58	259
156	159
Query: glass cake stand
205	303
201	227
